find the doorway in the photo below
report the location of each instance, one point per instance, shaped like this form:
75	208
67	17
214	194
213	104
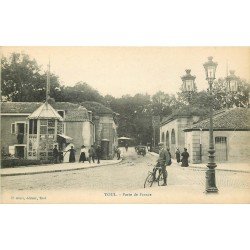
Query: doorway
105	149
221	149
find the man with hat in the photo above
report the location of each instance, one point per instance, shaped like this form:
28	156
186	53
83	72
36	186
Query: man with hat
163	161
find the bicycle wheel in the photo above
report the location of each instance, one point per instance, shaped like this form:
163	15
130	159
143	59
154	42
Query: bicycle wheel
149	180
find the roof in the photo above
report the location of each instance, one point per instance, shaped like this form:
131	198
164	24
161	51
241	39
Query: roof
45	111
19	107
97	108
186	111
73	112
232	119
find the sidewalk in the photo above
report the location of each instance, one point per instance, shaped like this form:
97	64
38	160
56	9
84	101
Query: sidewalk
54	168
225	166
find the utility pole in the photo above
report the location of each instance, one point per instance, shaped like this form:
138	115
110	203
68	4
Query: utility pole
48	83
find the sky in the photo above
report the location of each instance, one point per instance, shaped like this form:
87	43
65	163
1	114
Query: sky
129	70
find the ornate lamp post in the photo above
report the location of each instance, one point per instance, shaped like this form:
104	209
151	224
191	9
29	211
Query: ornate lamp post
210	68
232	84
188	83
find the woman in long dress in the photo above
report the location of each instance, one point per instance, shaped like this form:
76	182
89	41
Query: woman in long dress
70	154
178	155
67	152
184	160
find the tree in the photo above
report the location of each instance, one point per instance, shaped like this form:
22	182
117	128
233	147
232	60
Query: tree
162	104
224	98
23	80
81	92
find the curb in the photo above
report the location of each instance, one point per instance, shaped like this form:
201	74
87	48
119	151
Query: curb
60	170
219	169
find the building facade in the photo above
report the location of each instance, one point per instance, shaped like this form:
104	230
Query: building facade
231	137
23	122
172	131
105	128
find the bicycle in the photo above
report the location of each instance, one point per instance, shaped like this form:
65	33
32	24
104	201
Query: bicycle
154	177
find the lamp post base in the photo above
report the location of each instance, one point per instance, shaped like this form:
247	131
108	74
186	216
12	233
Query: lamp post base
210	181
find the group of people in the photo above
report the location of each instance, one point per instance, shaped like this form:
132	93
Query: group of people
85	155
182	157
164	160
91	154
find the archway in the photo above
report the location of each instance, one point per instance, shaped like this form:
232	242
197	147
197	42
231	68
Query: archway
173	142
162	137
167	139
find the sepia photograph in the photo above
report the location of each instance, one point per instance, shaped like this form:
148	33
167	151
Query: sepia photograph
125	125
123	120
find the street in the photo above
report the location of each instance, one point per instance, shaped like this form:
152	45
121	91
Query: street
128	177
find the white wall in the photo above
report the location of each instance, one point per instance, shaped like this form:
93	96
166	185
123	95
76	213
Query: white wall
237	145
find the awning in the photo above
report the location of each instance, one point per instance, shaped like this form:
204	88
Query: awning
124	138
66	137
105	140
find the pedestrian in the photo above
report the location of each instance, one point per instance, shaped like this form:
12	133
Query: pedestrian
98	153
170	162
118	152
184	159
82	154
163	161
60	157
178	155
126	147
92	154
72	152
55	154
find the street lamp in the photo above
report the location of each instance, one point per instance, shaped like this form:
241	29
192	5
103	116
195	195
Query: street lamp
210	68
188	83
232	84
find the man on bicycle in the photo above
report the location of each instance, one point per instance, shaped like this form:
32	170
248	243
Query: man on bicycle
163	161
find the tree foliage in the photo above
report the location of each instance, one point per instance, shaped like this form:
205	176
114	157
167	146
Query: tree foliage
23	80
80	92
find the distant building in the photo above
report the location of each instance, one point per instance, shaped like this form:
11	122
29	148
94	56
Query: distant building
31	129
191	130
231	137
172	130
104	120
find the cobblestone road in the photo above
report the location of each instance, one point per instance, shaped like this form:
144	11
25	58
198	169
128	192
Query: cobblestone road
127	175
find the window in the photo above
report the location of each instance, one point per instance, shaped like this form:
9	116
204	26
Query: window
32	126
220	139
19	128
167	139
162	137
61	113
173	137
13	128
43	126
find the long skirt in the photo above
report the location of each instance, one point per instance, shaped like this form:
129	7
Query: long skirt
82	157
178	158
72	157
184	162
